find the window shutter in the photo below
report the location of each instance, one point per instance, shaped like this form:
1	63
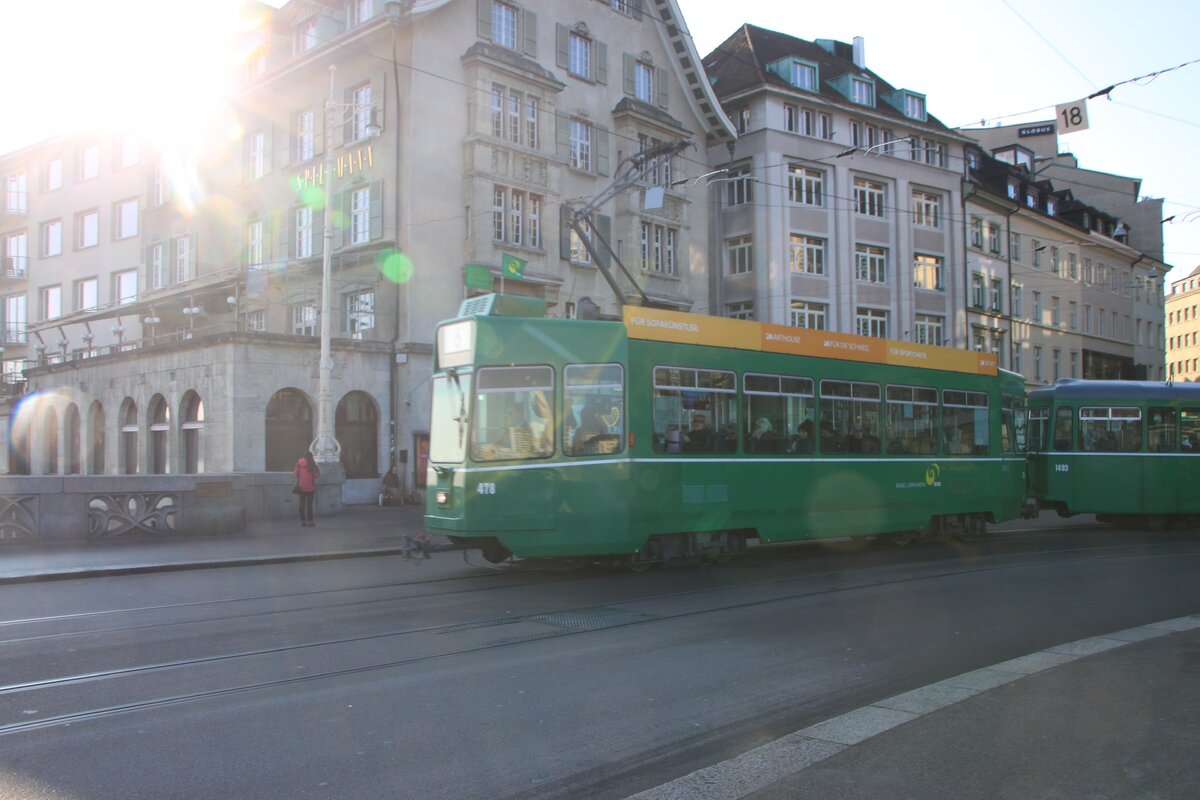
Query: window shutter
601	69
604	231
564	232
530	25
267	133
376	211
600	144
341	203
318	245
379	95
283	144
563	137
561	50
662	78
629	65
286	228
484	19
267	242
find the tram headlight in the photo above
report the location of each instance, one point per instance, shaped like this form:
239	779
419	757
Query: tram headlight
442	497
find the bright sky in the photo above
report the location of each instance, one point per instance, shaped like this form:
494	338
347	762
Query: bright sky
81	64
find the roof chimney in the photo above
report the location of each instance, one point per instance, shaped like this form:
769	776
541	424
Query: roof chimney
860	53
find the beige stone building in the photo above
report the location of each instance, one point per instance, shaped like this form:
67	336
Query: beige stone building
178	330
1183	328
838	207
1061	272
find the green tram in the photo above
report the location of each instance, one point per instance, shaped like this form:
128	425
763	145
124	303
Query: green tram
1127	451
675	435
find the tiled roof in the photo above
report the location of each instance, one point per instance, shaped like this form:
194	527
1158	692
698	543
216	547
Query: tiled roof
740	63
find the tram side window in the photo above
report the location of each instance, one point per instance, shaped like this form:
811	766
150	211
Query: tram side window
911	419
779	414
513	418
1161	430
850	417
1039	429
1110	429
965	426
695	410
1064	418
593	409
1189	430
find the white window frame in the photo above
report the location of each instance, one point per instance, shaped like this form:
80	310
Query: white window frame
927	209
927	272
739	255
360	312
806	254
125	219
929	329
125	286
305	135
643	82
363	110
52	243
87	294
579	55
504	25
581	144
360	215
810	316
303	243
869	197
87	229
870	263
806	186
871	322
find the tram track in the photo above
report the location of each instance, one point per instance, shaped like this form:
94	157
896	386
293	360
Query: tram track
538	626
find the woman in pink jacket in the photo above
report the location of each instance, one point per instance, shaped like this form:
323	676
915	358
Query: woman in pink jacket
306	473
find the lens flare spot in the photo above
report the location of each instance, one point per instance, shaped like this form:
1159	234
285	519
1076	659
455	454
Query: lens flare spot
395	266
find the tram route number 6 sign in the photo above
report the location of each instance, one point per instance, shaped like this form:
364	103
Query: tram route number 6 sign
1072	116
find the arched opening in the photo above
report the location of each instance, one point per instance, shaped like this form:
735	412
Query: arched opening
160	431
72	425
129	438
289	429
96	448
191	417
356	426
49	441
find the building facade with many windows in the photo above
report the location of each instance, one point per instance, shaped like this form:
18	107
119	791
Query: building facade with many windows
447	136
837	207
1183	328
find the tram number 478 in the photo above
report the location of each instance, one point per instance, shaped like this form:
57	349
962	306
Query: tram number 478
1062	467
485	488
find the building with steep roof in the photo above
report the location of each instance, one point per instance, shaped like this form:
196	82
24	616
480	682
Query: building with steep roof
838	207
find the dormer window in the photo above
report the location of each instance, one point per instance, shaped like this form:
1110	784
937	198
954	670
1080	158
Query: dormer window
914	107
800	74
1012	190
1031	199
1051	206
804	76
862	92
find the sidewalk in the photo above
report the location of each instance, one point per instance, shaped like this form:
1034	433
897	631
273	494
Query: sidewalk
357	531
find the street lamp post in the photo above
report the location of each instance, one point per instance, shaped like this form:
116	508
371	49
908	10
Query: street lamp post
325	448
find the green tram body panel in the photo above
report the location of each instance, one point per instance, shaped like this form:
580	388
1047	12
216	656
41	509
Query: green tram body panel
1153	469
565	505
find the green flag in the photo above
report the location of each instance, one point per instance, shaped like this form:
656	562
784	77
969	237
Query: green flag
478	276
512	267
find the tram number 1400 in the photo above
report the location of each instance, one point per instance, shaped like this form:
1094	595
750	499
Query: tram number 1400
485	488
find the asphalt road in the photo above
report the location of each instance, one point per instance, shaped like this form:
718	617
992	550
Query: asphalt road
367	678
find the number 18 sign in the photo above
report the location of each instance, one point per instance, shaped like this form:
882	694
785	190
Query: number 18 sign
1072	116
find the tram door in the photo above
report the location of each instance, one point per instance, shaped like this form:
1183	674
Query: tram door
1160	478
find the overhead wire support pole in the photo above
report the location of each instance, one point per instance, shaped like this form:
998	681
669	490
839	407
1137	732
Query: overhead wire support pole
638	166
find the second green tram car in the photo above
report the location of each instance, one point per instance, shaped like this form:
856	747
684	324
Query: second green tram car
1127	451
672	435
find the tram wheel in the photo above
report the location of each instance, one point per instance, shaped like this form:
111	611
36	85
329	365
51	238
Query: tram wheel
903	538
494	553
